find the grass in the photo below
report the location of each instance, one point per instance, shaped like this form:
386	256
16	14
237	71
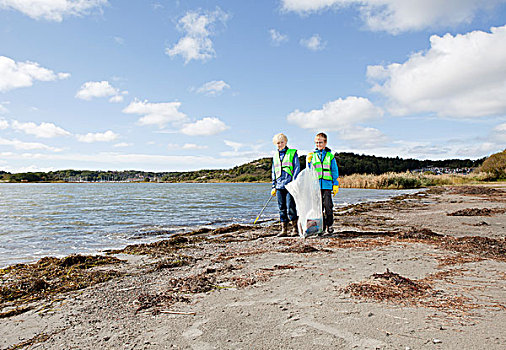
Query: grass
408	180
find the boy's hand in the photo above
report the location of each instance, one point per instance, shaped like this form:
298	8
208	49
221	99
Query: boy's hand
309	157
335	189
273	192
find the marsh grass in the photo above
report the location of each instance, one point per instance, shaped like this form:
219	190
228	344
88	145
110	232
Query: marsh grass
408	180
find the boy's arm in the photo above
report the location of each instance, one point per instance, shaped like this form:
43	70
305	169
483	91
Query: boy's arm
296	166
335	172
273	175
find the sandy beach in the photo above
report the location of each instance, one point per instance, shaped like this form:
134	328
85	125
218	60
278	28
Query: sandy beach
423	271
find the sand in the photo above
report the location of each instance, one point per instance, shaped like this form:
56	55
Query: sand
384	280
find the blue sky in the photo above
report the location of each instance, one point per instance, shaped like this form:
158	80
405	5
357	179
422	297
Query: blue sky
185	85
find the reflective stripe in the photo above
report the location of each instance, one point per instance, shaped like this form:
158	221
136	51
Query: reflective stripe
286	165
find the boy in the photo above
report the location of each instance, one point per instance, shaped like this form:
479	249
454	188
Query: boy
285	168
322	160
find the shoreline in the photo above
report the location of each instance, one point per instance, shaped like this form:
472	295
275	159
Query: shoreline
136	231
240	287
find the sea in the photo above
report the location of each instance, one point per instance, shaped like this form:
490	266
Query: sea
58	219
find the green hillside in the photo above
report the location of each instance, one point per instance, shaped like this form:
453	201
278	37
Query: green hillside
256	171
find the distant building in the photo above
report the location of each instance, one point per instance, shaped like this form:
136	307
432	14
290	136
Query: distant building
443	170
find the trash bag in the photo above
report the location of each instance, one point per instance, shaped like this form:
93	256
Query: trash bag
305	189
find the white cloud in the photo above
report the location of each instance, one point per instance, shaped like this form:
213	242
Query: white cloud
314	43
364	137
4	124
93	89
499	134
198	28
52	10
28	169
159	114
22	74
337	114
3	109
213	88
277	38
126	161
122	144
500	128
459	76
396	16
244	152
20	145
235	145
190	146
43	130
116	98
98	137
193	146
205	126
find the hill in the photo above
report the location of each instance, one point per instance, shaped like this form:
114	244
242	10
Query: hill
256	171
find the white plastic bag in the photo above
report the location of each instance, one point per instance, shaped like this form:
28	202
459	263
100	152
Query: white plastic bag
305	189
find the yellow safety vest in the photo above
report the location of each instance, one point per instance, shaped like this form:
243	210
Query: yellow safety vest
323	168
286	165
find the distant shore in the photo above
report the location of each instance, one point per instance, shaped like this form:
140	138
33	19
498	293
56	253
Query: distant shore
415	271
405	180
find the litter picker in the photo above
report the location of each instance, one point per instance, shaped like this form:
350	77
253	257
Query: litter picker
270	197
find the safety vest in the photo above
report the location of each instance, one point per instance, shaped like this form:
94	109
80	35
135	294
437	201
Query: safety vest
323	168
286	165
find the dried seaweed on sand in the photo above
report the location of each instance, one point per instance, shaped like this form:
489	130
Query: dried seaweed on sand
50	276
146	301
477	190
192	284
477	212
299	248
481	246
392	287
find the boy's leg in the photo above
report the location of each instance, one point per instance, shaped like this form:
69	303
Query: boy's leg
281	196
328	214
292	210
292	213
283	217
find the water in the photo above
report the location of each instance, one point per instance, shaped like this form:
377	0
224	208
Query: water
38	220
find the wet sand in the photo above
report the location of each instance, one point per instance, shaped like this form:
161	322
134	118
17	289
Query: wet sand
425	271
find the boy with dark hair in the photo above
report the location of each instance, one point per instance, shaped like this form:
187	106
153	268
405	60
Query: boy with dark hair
323	161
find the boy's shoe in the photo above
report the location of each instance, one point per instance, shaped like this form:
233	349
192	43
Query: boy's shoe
294	232
330	230
284	230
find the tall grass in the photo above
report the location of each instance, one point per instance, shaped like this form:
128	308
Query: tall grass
408	180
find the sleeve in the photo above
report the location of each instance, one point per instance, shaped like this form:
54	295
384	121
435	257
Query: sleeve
296	165
273	175
335	172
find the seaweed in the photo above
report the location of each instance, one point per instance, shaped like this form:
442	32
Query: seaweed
299	248
50	276
391	287
419	233
394	288
458	259
157	248
250	279
172	262
147	301
481	246
477	190
200	283
231	228
477	212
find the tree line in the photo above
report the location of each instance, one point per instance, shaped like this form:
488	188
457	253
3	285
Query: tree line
256	171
